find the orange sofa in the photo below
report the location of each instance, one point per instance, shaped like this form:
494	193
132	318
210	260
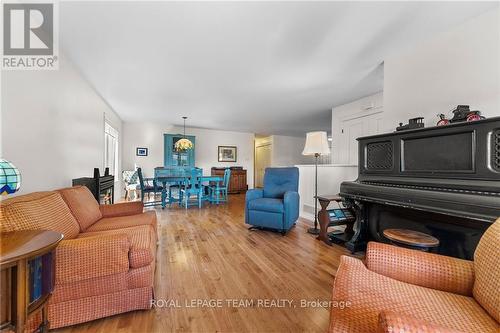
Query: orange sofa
403	290
104	265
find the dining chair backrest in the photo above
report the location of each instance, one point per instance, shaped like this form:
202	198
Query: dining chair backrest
141	178
227	177
130	177
195	177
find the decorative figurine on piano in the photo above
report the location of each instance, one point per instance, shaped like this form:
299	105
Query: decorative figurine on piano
461	113
412	124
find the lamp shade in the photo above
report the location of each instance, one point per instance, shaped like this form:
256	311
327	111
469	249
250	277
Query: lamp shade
10	178
183	145
316	143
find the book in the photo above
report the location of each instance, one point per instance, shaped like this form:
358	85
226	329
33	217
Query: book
35	279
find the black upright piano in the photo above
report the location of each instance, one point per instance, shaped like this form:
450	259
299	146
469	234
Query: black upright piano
444	181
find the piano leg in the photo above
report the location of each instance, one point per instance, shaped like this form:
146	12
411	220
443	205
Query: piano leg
358	240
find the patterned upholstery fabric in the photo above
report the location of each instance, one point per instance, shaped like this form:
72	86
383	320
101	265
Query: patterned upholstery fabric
391	322
82	204
142	243
370	293
112	223
131	279
90	308
421	268
130	177
487	267
122	209
38	211
98	256
95	307
98	274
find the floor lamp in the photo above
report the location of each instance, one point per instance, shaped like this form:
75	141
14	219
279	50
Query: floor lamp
316	145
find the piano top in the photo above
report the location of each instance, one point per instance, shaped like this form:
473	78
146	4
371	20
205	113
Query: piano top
452	169
423	130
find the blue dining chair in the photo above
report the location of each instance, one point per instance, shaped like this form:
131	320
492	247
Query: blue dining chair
218	192
193	187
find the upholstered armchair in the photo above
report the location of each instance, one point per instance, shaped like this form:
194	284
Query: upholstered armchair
276	206
403	290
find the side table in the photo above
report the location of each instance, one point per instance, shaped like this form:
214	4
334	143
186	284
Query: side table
27	266
325	221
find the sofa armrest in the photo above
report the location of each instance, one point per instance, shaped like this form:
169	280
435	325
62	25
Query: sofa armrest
122	209
421	268
291	201
90	257
389	322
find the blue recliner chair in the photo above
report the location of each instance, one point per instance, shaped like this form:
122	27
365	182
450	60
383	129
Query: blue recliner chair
277	205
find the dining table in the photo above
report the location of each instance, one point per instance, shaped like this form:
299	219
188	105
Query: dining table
178	176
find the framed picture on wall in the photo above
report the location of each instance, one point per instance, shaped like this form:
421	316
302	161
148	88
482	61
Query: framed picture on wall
227	153
141	151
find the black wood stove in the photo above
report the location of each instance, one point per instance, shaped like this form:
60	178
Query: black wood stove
444	181
102	187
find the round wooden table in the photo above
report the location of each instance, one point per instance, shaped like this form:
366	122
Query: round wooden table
17	250
411	239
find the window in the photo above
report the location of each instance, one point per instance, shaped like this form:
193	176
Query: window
111	149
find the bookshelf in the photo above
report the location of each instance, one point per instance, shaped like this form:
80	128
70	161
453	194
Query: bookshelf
27	267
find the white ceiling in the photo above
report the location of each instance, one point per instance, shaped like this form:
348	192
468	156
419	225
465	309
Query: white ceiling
264	67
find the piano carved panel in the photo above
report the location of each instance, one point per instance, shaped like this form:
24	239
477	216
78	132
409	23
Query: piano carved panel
495	150
379	156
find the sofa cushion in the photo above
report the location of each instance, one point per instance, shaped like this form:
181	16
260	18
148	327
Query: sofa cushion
267	205
112	223
486	288
142	243
83	205
38	211
369	293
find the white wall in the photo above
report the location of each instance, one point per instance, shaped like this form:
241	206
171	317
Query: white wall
287	151
150	135
329	179
53	126
363	107
461	66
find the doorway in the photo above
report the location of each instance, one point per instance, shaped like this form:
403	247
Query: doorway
263	153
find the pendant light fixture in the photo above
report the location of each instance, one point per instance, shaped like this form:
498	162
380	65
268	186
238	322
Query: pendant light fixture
183	144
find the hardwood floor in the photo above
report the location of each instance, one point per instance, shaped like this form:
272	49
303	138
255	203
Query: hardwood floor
209	255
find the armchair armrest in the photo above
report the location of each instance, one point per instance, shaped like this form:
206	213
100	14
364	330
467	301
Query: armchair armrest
122	209
291	201
90	257
389	322
253	194
421	268
249	196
